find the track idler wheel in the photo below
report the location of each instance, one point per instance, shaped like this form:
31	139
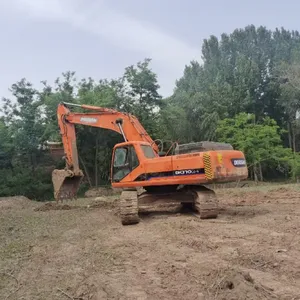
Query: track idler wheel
129	208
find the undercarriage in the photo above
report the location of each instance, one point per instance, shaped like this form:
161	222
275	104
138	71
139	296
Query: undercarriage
201	199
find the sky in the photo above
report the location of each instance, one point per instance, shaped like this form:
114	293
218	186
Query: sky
40	39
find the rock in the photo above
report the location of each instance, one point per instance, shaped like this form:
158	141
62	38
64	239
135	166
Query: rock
201	296
281	250
180	259
248	277
100	199
275	265
288	218
100	295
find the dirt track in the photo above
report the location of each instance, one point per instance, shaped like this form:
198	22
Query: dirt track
250	252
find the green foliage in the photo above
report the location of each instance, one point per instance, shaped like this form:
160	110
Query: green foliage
246	92
30	120
260	142
238	74
140	91
289	78
6	146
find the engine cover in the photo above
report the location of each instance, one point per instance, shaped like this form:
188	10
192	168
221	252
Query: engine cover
201	147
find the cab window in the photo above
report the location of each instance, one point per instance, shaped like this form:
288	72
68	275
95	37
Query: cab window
125	160
120	157
148	151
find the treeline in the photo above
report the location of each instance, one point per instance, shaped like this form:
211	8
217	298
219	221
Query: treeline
245	92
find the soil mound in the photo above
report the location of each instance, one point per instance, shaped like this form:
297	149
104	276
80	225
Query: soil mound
101	191
54	206
14	202
236	284
106	203
241	198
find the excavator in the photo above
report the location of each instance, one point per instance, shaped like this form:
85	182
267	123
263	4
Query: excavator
139	164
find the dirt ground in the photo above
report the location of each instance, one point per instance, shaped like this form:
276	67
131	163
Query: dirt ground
81	250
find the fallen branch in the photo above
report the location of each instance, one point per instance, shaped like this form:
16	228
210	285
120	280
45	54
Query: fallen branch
64	293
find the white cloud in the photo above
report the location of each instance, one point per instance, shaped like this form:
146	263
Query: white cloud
115	26
123	31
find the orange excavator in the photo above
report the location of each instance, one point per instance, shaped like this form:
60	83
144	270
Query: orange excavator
138	163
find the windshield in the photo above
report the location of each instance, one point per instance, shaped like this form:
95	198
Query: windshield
148	151
120	157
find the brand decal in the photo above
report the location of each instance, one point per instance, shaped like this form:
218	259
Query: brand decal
188	172
88	119
239	162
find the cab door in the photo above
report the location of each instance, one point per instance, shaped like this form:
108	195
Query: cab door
125	160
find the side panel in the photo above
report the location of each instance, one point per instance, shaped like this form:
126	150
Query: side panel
192	168
225	166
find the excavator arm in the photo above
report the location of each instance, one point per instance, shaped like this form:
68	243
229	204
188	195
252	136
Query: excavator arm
66	182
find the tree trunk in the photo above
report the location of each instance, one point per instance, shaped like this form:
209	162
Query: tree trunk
96	161
85	171
250	169
32	161
290	135
294	140
260	172
255	173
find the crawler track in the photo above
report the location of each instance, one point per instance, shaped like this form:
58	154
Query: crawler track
206	202
129	208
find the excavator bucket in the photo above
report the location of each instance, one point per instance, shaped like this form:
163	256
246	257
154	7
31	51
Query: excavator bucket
65	184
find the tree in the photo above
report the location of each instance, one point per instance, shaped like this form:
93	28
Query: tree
22	168
246	92
95	144
6	146
289	78
238	74
260	142
140	88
